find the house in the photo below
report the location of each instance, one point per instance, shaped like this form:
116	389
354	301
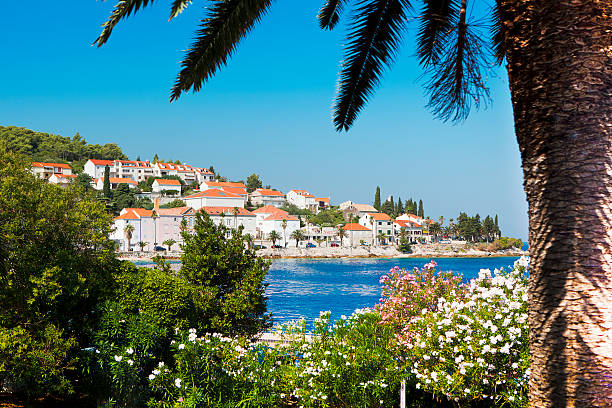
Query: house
411	217
322	202
302	199
206	185
263	213
356	234
413	230
62	179
152	227
170	186
46	170
185	172
136	170
315	233
214	198
266	196
379	223
232	218
349	207
114	182
275	222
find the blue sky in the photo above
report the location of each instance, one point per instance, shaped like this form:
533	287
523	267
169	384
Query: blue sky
268	112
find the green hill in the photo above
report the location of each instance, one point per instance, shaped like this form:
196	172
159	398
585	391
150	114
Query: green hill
47	147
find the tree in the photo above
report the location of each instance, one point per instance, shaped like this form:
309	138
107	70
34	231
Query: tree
128	230
388	207
229	278
106	188
298	236
248	238
556	55
142	245
155	158
123	197
399	208
377	198
284	224
381	237
169	242
421	213
253	182
174	204
274	236
435	230
84	180
341	232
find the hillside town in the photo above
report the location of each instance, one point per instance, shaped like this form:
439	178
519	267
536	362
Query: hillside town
261	213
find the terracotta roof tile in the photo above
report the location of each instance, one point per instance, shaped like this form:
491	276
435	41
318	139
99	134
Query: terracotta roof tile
355	227
269	209
213	192
167	182
268	192
61	165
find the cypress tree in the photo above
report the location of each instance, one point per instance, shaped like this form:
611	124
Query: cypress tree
155	158
106	190
400	207
377	198
421	213
496	224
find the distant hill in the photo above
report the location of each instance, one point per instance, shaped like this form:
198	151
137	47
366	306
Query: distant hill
47	147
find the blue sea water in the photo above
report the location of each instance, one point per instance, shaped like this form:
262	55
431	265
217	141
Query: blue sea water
301	288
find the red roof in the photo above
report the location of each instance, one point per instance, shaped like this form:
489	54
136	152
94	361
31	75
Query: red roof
235	190
118	180
355	227
223	184
407	223
61	165
168	182
268	192
280	217
324	199
141	212
269	209
213	192
226	210
175	211
101	162
380	216
129	215
64	175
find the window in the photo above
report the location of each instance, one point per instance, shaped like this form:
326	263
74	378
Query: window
388	232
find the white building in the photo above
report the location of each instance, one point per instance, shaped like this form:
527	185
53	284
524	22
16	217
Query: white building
378	223
114	182
169	185
214	198
233	219
274	222
357	234
139	170
357	209
152	227
266	196
46	170
62	179
187	173
302	199
413	231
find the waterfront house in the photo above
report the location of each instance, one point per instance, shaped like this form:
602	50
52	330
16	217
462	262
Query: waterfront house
46	170
350	208
170	186
114	182
232	218
275	221
413	230
214	198
356	234
266	196
378	222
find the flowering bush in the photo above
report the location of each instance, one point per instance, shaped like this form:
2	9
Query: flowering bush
472	342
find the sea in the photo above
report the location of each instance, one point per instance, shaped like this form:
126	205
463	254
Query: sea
302	288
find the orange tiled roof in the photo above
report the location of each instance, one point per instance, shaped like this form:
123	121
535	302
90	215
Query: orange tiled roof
355	227
235	190
407	223
65	175
129	215
168	182
175	211
223	184
214	192
324	199
40	164
268	192
226	210
380	216
101	162
141	212
118	180
280	217
269	209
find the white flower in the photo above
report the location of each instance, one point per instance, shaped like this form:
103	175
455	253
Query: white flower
151	376
155	372
129	351
130	362
177	383
161	364
118	358
181	346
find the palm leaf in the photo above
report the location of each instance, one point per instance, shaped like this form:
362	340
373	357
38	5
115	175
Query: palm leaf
330	13
456	81
178	6
122	10
375	34
437	21
498	33
216	40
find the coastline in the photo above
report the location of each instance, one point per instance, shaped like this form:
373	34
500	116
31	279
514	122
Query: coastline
422	251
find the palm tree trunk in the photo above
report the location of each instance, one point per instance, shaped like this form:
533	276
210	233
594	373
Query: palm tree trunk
560	72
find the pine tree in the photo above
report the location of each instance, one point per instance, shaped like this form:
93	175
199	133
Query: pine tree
400	207
155	158
138	158
421	213
377	202
106	188
496	224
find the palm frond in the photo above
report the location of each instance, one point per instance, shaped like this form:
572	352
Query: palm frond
374	36
330	13
122	10
178	6
219	34
456	82
498	33
436	22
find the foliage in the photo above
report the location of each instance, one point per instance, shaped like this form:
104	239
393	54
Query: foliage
228	276
45	147
472	229
274	236
377	198
106	187
83	180
253	182
298	235
404	245
327	218
388	207
55	266
502	244
123	197
420	211
174	204
467	342
169	243
295	210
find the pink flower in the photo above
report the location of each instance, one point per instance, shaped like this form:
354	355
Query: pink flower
180	399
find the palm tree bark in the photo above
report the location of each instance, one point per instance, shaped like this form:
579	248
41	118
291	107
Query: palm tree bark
559	57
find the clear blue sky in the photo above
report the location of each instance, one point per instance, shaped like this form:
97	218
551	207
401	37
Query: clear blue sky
268	112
